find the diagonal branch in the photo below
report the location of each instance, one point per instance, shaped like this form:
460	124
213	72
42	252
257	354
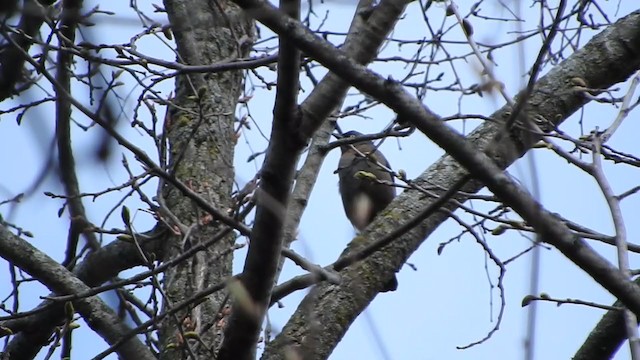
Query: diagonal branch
94	270
61	281
290	134
554	98
606	337
478	164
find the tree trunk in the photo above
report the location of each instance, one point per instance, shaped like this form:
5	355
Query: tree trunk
201	137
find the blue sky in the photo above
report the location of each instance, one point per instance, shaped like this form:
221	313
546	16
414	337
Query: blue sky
443	304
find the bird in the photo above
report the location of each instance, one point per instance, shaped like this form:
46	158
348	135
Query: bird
360	176
366	187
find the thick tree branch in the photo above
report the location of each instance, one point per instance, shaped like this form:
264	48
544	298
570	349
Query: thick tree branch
608	58
58	279
290	134
95	269
606	337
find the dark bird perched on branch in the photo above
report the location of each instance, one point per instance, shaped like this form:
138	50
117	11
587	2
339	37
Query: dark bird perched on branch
366	187
363	194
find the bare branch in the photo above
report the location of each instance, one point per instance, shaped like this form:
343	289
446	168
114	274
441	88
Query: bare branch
97	314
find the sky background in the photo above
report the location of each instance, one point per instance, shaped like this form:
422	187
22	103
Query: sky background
447	301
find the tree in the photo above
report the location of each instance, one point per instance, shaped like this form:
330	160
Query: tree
180	215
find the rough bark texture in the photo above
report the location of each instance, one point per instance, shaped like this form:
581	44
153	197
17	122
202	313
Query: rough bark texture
100	317
606	338
610	57
34	331
201	139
